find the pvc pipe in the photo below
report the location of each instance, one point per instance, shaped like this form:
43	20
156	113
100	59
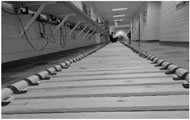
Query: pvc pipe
63	64
187	77
172	67
21	85
6	93
165	64
155	59
58	67
34	78
43	74
52	70
68	63
181	72
148	57
75	59
160	61
71	60
152	57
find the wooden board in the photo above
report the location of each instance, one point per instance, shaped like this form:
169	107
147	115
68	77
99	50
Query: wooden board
111	83
113	91
98	104
112	61
105	66
110	77
108	68
105	115
87	73
106	83
110	64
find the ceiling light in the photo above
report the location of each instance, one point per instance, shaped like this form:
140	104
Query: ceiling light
117	9
118	15
119	20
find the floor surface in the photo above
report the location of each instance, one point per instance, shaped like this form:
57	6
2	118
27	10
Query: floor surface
176	54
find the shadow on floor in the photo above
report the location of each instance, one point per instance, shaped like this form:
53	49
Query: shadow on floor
12	74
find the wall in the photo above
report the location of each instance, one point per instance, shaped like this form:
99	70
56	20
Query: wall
135	28
174	24
96	16
161	21
135	24
15	47
150	29
146	22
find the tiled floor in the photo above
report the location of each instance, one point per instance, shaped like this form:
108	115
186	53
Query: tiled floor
174	53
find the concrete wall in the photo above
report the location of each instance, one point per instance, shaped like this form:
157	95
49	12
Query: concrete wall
146	22
161	21
151	29
174	23
15	47
136	28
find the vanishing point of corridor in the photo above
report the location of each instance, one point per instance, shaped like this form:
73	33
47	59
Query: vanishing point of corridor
95	59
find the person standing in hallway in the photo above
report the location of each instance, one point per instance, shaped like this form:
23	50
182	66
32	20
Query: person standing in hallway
113	39
129	37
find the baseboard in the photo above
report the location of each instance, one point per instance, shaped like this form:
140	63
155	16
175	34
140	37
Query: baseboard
175	43
145	40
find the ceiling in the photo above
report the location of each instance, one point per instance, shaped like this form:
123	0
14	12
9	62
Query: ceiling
105	10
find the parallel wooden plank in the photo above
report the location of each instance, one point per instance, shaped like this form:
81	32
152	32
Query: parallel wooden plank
107	83
104	115
98	104
118	58
113	91
119	82
114	58
87	73
111	64
108	68
110	77
104	66
113	61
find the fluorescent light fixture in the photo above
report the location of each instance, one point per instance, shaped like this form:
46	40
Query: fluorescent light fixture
118	15
118	9
119	20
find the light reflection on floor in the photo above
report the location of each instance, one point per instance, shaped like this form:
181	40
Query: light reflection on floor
174	53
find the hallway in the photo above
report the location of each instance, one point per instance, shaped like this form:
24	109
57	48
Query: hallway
95	59
113	86
178	55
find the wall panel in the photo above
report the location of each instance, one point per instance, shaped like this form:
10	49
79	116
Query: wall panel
174	23
15	47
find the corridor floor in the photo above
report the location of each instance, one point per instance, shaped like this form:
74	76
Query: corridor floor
113	82
17	73
172	52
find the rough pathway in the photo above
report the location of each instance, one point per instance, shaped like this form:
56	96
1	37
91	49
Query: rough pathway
113	82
